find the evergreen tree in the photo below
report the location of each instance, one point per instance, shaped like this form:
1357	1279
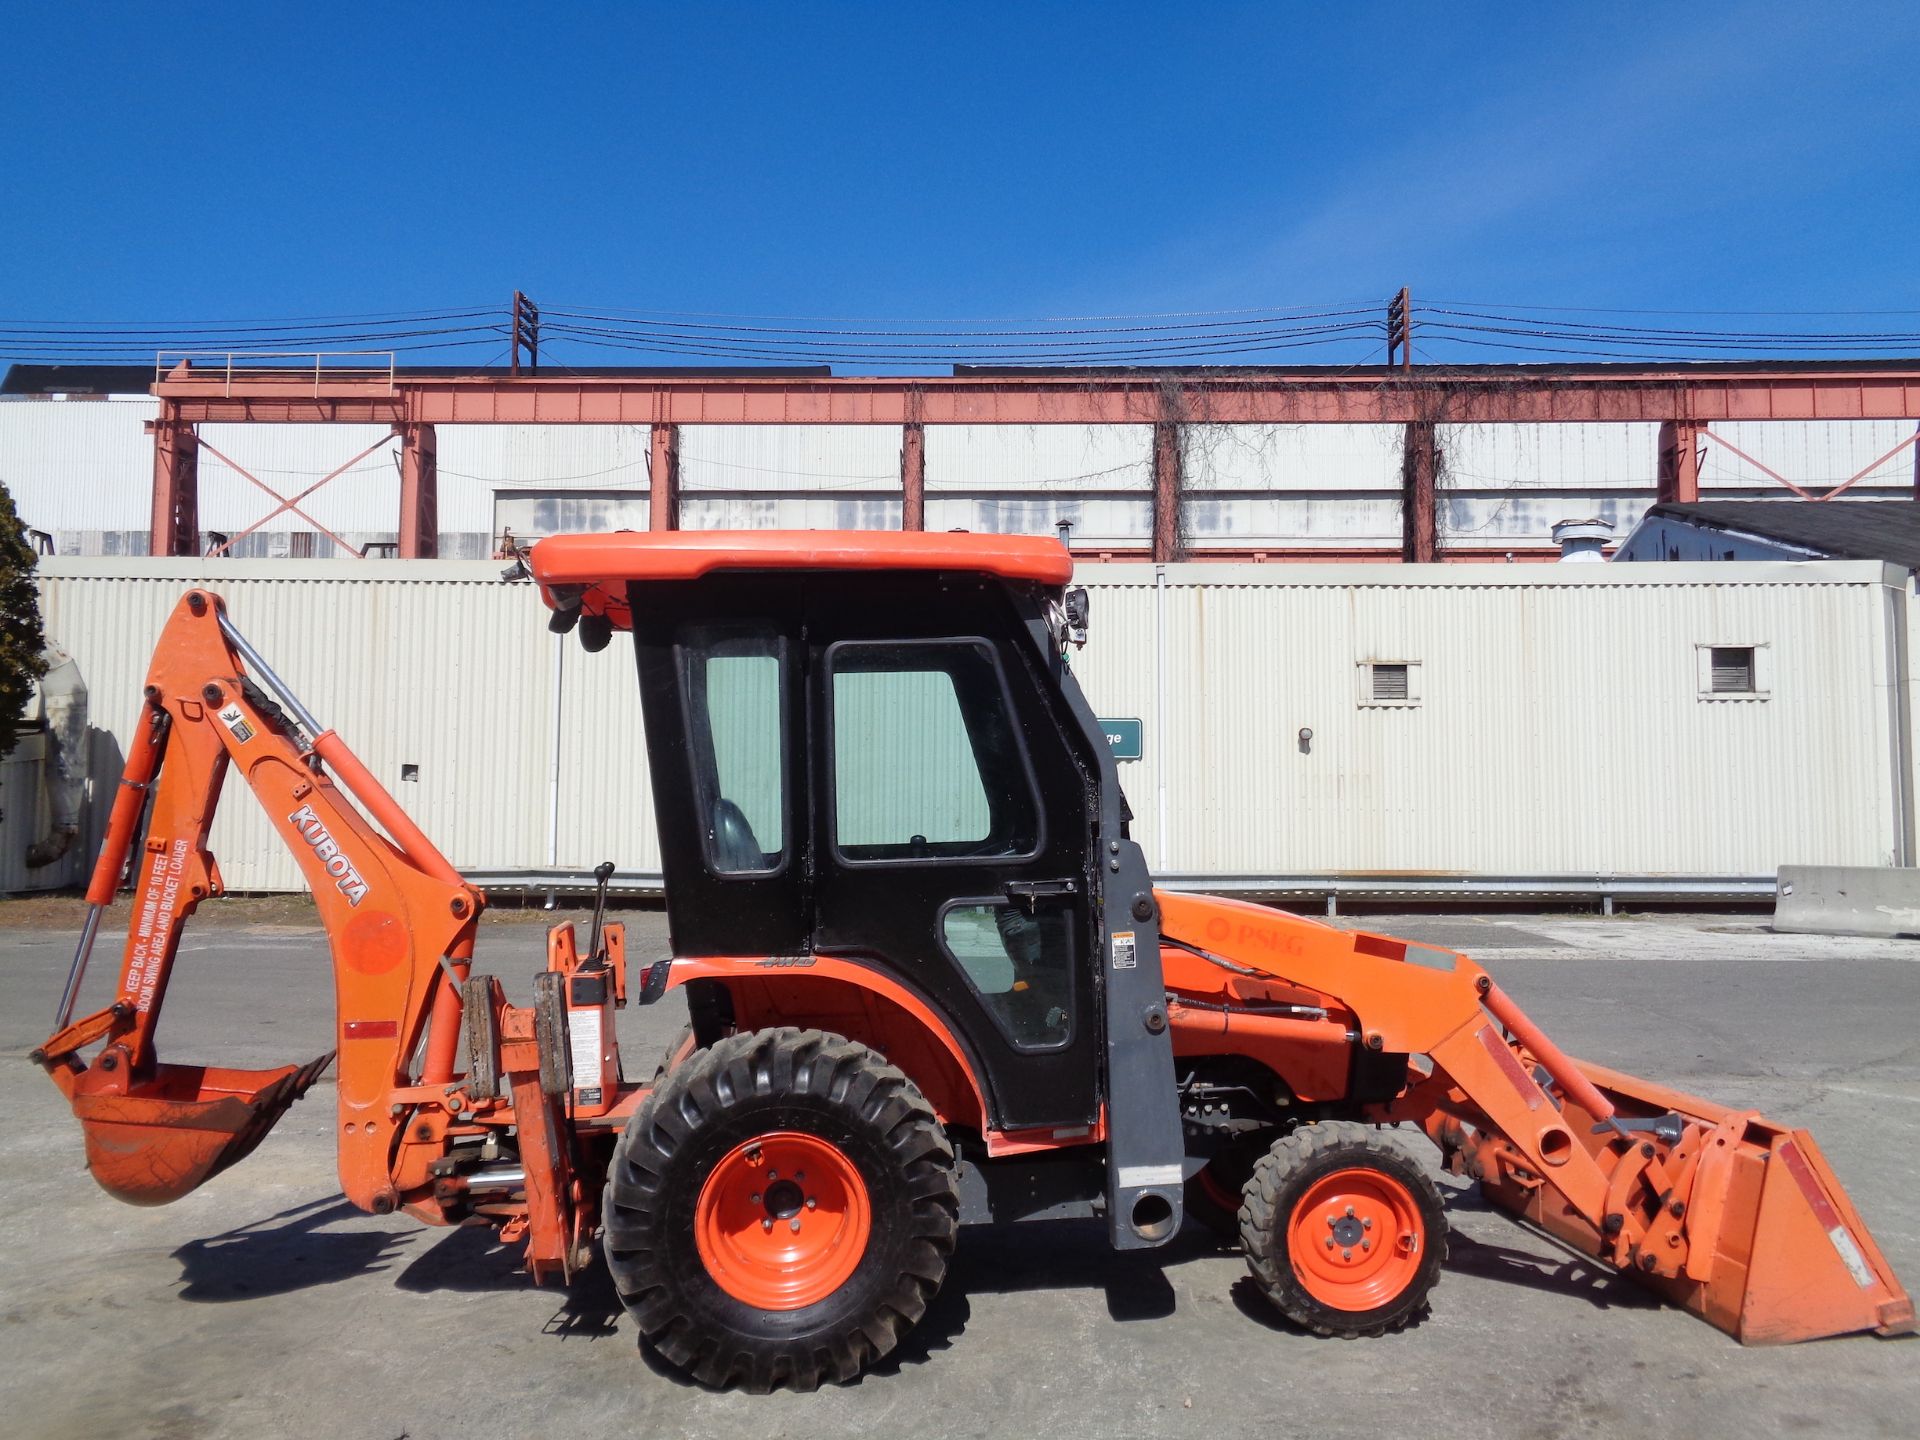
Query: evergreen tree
21	639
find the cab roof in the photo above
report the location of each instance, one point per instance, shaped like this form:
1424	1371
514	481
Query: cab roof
600	565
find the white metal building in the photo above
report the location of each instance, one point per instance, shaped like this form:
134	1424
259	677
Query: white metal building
1536	730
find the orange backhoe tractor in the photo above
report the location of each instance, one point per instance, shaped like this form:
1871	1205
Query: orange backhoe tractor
930	982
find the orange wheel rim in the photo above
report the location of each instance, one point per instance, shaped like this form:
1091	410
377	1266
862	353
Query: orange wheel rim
782	1221
1356	1239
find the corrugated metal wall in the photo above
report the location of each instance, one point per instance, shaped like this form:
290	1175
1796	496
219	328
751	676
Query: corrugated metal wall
1559	729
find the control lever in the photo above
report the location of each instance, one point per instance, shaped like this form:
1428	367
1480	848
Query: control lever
602	873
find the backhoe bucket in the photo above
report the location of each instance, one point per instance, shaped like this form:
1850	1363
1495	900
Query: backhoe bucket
1755	1236
171	1133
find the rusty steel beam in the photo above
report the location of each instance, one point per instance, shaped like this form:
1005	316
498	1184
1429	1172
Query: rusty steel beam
913	476
1168	488
663	479
419	493
1679	474
1419	512
1513	395
175	526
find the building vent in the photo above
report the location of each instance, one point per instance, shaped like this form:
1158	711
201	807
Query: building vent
1731	670
1388	682
1735	672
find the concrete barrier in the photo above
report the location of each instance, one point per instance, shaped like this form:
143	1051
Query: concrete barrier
1848	900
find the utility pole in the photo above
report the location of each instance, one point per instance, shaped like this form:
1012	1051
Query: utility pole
1400	329
526	333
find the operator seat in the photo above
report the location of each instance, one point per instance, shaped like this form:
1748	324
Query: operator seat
735	848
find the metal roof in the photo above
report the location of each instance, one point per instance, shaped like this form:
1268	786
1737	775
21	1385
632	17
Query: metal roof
32	379
1847	530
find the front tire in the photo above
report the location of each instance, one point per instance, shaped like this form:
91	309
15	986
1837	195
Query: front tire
780	1210
1343	1232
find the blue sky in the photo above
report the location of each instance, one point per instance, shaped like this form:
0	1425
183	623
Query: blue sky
223	162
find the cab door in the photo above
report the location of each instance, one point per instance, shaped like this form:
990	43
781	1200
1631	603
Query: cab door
953	837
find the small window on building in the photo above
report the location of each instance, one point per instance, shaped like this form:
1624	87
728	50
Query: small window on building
1734	672
1732	669
1388	682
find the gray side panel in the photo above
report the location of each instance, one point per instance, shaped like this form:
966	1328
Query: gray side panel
1145	1146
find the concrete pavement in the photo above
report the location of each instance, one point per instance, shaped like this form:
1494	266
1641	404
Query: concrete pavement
263	1306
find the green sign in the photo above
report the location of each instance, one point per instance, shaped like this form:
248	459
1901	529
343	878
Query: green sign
1126	738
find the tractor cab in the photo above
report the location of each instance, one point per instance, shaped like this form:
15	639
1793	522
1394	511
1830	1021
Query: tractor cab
868	749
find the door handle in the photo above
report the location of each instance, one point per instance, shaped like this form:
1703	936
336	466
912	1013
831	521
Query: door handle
1029	892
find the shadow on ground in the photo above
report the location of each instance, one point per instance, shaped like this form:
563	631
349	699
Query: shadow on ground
1563	1273
300	1248
290	1251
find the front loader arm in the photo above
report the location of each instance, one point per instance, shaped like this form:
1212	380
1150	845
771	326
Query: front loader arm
1726	1213
399	920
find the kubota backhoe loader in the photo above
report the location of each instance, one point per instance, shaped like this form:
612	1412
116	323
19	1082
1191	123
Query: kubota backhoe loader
929	980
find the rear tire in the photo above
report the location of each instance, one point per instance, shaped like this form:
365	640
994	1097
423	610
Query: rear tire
1343	1232
700	1221
678	1050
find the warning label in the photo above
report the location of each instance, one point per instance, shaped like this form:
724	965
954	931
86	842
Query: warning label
583	1032
1123	950
235	719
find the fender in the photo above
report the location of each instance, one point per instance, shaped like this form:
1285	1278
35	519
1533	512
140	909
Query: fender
880	1012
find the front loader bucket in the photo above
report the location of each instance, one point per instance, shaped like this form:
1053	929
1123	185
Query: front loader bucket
169	1134
1758	1239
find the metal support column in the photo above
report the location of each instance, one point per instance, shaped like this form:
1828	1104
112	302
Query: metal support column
175	528
1679	481
1168	485
913	476
1419	512
419	493
663	479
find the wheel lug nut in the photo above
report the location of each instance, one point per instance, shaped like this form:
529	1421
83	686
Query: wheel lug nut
767	1224
1366	1224
811	1202
775	1175
1346	1254
756	1199
1329	1242
1349	1211
795	1227
1366	1244
1332	1220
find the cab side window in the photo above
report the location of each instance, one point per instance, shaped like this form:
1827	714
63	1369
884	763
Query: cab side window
736	726
927	763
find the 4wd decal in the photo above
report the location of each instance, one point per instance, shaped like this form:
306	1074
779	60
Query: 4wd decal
315	833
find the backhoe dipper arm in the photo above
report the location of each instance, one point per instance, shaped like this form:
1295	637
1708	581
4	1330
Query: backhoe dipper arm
400	923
